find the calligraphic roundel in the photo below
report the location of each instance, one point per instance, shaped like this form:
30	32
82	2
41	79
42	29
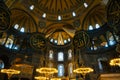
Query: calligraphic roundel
113	13
37	41
4	17
81	39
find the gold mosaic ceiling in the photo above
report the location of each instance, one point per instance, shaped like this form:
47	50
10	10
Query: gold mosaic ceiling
50	16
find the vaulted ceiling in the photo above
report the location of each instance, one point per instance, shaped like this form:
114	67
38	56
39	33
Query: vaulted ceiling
57	19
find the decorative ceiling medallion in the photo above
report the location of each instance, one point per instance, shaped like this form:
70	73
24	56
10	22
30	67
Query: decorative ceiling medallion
113	13
37	41
4	17
63	8
76	23
81	39
42	24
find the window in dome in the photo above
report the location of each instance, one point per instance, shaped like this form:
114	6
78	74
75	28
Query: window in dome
90	28
60	70
51	40
97	26
55	41
16	26
73	14
22	29
69	54
31	7
51	54
59	18
44	15
85	5
65	41
60	56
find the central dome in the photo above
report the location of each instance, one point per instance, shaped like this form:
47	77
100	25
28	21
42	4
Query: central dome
61	6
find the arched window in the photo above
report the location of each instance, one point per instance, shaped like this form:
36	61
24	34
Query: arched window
100	64
111	38
70	69
60	56
9	42
44	15
16	26
60	70
73	14
69	54
1	64
90	27
22	29
51	54
97	26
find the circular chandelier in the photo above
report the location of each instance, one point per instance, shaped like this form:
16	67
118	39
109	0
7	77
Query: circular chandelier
46	70
83	70
41	78
55	79
10	71
115	62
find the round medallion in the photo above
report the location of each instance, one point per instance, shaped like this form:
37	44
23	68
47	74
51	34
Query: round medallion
81	39
113	13
37	41
4	17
